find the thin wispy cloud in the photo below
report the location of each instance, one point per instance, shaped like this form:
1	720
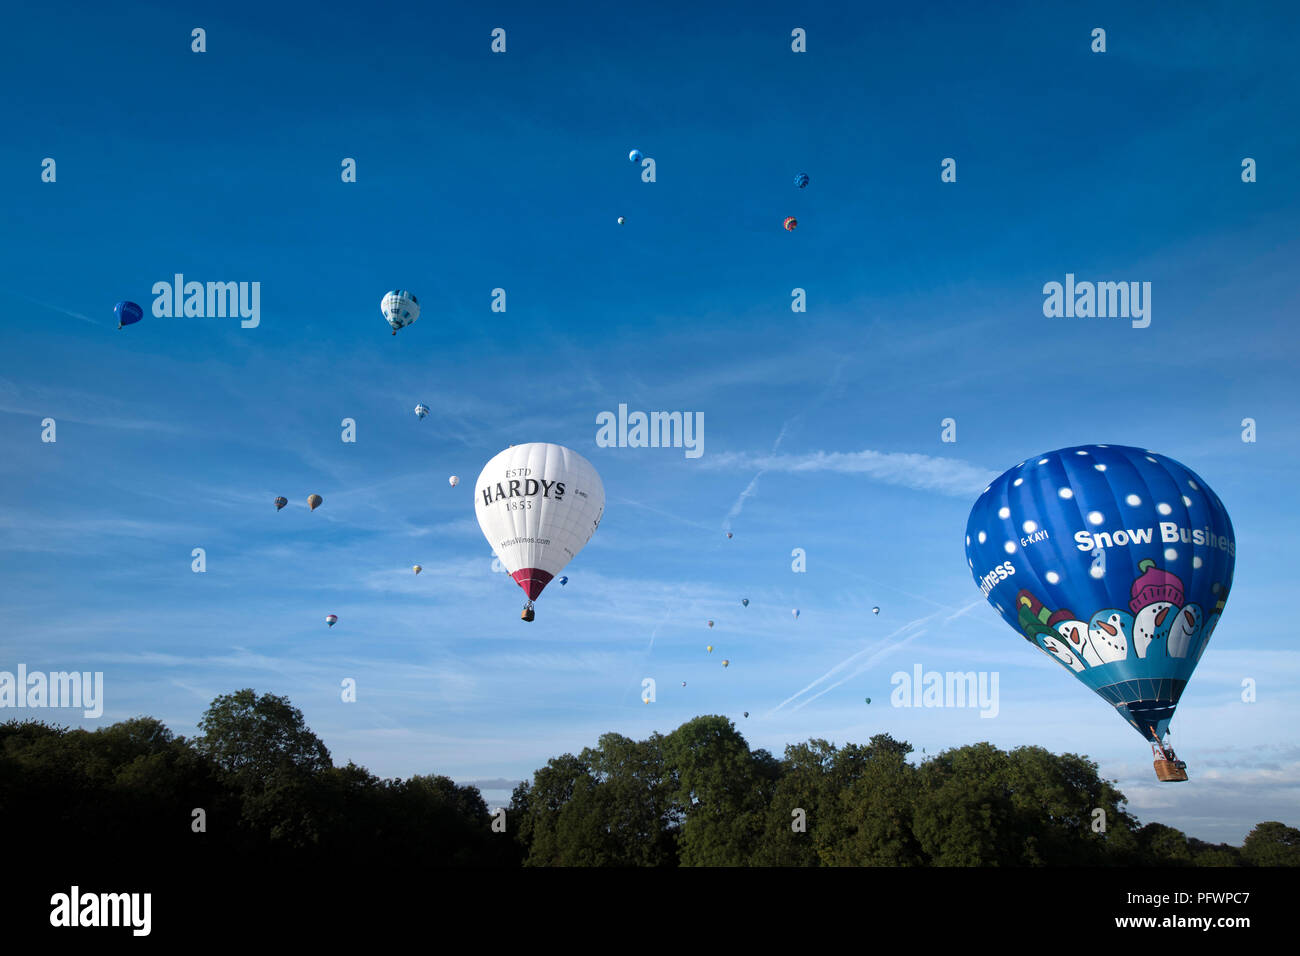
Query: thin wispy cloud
948	476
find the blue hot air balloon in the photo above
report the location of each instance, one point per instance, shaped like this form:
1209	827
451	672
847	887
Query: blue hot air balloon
801	180
635	156
128	313
1114	561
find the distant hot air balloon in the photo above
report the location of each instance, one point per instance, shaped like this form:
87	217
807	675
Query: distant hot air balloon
400	309
728	535
331	619
745	601
281	502
621	220
746	713
128	313
802	180
795	612
875	610
726	663
538	504
417	569
790	223
709	648
564	580
710	624
453	481
314	501
868	700
1114	561
421	410
683	683
635	156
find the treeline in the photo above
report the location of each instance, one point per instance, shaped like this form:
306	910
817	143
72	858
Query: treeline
698	796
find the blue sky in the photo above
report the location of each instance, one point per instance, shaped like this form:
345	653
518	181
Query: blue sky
822	430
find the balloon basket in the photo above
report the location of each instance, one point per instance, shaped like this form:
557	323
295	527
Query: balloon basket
1170	771
527	614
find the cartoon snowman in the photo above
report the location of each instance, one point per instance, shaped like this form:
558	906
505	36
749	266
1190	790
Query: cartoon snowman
1109	631
1058	649
1211	622
1076	638
1156	596
1186	629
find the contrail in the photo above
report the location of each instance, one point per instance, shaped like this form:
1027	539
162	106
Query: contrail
54	308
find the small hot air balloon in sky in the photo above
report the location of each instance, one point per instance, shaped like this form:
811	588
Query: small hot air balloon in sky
868	700
726	663
636	156
875	610
709	648
281	502
417	569
710	624
421	410
745	602
538	505
453	481
746	713
795	612
314	501
400	309
728	535
802	180
683	683
128	313
621	220
564	580
790	223
1115	562
331	619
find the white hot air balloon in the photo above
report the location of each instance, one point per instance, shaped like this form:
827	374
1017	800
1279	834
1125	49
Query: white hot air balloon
538	504
421	410
453	481
400	308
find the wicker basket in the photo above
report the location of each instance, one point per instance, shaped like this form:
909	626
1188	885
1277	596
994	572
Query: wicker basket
1169	772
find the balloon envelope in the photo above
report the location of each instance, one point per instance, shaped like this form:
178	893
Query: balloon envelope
745	601
314	501
400	308
128	313
421	411
635	156
564	580
801	180
790	223
1114	561
331	619
417	569
875	610
538	505
453	481
281	502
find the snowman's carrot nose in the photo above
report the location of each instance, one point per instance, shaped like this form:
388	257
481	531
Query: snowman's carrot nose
1160	618
1109	630
1191	618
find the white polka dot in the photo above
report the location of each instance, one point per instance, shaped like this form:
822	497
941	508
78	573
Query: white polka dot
1021	465
1103	446
971	563
1097	573
1187	501
1004	512
1100	467
1171	554
983	537
986	490
968	541
1081	452
1030	527
1164	509
1193	485
1009	547
1000	610
1152	460
1095	517
1197	562
1052	577
1133	501
1066	493
1042	461
1018	482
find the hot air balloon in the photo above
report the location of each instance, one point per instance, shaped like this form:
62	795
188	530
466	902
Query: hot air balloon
453	481
417	569
331	619
795	612
128	313
635	156
683	683
421	410
745	602
709	648
538	504
281	502
746	713
621	220
801	180
400	309
710	624
314	501
726	663
790	223
868	700
1117	563
875	610
564	580
728	535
